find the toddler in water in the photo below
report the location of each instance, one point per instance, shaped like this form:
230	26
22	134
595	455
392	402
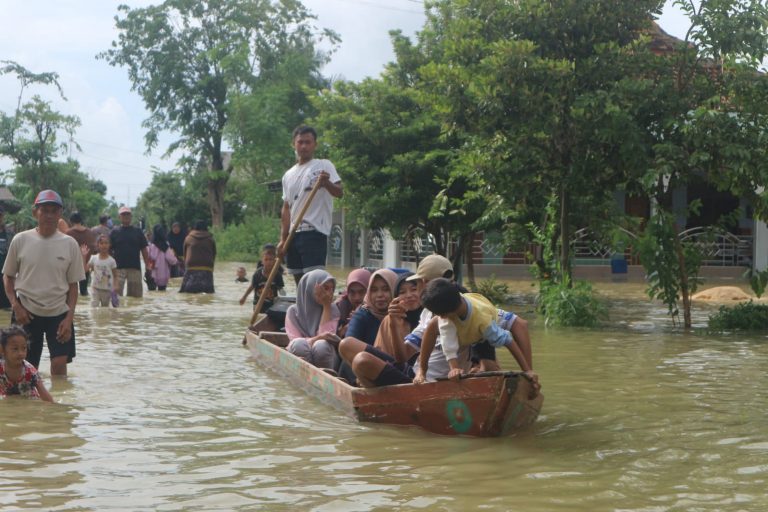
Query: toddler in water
241	275
103	268
17	376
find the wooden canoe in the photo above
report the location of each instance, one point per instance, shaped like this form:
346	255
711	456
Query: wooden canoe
486	405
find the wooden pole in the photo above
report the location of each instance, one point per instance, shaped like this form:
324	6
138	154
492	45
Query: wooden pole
273	273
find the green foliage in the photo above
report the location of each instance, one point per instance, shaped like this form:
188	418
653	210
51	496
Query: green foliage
531	89
243	242
30	138
570	306
672	267
758	280
493	290
172	197
747	316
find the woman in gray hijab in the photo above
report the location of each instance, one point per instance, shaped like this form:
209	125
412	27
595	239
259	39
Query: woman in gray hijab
311	323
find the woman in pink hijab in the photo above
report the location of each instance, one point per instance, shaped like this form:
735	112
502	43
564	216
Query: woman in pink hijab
352	298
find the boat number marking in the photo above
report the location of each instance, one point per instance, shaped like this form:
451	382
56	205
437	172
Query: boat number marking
458	415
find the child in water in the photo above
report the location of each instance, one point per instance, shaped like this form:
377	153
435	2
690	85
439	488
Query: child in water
103	268
259	279
17	376
241	275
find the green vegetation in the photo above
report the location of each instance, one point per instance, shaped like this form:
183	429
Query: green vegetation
30	138
493	290
747	316
243	242
570	306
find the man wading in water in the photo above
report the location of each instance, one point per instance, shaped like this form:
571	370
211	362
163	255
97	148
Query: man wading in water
41	276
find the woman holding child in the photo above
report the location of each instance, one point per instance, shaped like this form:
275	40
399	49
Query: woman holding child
311	323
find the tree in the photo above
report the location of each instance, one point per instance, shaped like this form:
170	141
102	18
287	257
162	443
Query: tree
529	88
30	137
702	113
398	165
188	60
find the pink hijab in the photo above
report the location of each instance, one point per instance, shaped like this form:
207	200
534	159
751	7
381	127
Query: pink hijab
359	276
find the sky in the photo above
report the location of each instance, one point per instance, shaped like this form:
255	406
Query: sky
64	36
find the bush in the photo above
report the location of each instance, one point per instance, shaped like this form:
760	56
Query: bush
243	242
493	290
746	316
564	306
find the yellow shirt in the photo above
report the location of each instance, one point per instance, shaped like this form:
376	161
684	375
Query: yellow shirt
479	324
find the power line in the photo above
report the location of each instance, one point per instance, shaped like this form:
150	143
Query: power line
379	6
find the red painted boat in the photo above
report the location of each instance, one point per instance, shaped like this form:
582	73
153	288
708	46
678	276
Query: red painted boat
483	405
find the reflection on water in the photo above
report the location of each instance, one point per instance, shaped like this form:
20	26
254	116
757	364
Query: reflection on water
164	411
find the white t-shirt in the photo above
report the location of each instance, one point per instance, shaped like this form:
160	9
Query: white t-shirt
101	277
297	183
44	268
438	366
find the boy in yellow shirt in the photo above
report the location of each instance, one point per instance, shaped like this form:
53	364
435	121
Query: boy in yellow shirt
467	318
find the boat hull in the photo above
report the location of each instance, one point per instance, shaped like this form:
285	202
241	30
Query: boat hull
494	404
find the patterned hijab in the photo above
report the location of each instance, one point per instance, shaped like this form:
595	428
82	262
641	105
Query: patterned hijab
306	313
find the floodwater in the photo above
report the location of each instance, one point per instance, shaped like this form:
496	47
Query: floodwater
164	411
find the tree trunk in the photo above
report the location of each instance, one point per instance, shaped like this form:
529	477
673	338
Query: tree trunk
216	201
685	289
470	263
565	238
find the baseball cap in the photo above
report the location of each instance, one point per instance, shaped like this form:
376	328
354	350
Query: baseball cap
48	197
432	267
123	209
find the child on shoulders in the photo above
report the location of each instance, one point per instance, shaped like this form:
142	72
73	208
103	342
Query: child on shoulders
17	376
467	318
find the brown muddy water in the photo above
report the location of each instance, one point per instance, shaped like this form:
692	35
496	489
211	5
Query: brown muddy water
164	411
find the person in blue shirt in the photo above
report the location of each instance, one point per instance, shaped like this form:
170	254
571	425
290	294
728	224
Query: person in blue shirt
365	322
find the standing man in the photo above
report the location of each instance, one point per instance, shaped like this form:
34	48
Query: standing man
5	240
41	276
128	242
310	244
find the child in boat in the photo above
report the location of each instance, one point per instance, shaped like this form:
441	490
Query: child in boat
17	376
467	318
352	298
103	268
260	277
311	323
